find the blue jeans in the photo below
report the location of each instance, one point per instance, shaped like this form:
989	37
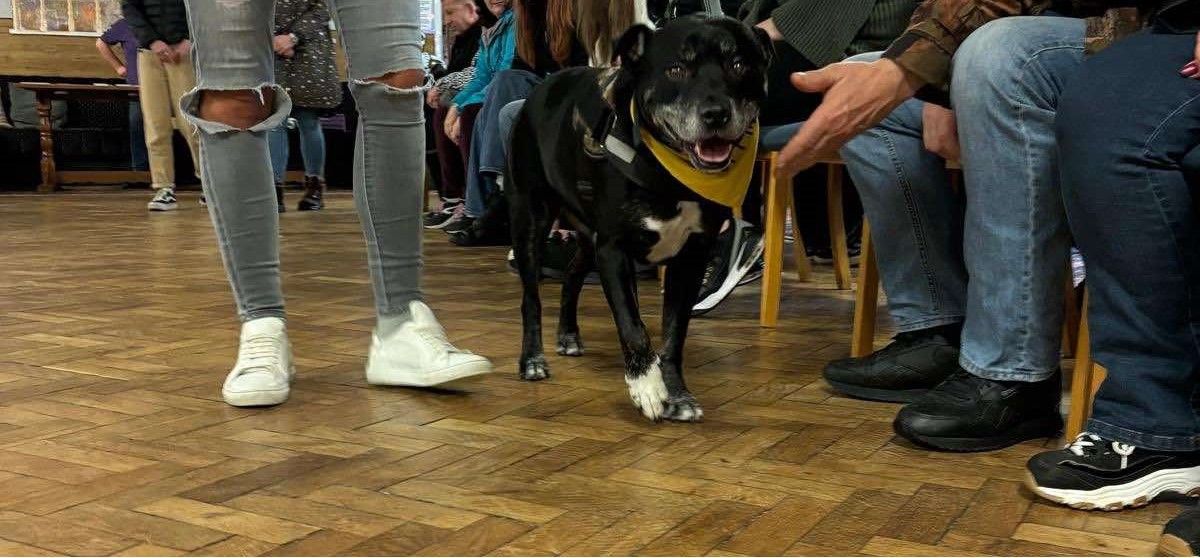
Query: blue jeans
312	145
139	159
488	144
232	51
1013	246
1132	210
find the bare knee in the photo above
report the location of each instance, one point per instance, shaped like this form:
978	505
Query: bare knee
403	79
242	108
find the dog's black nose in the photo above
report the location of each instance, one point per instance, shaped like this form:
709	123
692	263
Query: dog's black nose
715	116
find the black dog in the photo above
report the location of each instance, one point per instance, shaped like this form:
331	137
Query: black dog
696	86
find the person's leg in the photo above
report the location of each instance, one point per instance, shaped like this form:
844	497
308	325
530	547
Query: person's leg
312	141
277	142
1130	208
155	97
181	78
449	158
409	347
507	87
139	159
234	106
1007	79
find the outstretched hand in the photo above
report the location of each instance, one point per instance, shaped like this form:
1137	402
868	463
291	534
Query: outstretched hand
857	96
1192	69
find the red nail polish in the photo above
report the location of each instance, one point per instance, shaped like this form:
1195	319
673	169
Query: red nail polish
1190	70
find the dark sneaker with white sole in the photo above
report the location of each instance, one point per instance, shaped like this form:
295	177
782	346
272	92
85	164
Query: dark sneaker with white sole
450	211
164	200
967	413
1181	536
1095	473
914	363
734	256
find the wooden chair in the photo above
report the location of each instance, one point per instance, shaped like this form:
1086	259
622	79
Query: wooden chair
779	200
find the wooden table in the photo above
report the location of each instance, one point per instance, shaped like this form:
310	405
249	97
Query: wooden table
47	92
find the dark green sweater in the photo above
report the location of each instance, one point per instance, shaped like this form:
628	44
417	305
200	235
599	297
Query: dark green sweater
826	31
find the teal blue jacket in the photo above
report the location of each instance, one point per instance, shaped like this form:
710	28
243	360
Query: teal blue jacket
496	52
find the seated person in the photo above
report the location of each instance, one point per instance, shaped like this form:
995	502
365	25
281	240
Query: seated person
1131	181
998	383
468	18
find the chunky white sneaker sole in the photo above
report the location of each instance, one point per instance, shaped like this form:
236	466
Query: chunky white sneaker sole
259	398
380	374
1133	494
157	206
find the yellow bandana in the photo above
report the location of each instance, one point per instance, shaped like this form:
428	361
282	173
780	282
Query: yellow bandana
726	187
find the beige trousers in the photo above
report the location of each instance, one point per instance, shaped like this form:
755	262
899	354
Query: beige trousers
161	86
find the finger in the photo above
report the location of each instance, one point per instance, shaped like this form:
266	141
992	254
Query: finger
805	148
816	81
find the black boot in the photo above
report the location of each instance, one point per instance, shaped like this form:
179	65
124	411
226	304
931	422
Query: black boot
1181	536
314	194
279	197
969	413
912	364
491	227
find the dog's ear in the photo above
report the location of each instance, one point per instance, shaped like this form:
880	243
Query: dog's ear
765	43
633	45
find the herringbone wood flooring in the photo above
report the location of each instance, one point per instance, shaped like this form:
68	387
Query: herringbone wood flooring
116	329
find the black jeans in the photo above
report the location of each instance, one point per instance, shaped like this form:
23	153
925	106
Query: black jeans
1128	132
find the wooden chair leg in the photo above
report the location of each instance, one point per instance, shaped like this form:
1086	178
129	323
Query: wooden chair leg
866	300
1084	379
776	202
799	251
1070	333
837	228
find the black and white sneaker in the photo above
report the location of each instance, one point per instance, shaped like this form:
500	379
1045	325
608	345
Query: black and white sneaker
735	254
755	273
1181	536
451	209
164	200
1095	473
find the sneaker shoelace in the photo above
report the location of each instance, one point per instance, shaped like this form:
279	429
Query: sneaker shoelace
1087	443
435	336
164	195
260	353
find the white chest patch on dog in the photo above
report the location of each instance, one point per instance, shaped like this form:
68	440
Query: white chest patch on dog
673	232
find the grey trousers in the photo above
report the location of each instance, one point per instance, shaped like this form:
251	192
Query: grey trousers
232	51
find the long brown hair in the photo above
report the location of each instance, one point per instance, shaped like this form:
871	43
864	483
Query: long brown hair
554	19
601	22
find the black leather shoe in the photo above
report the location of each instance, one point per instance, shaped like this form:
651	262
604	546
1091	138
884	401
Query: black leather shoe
968	413
478	236
1181	537
911	365
279	198
314	194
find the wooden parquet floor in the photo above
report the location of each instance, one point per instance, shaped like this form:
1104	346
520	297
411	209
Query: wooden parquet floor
117	328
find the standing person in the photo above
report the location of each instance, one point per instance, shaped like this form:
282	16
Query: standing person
235	104
165	74
468	19
304	68
119	33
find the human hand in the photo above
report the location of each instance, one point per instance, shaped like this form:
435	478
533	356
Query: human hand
163	51
941	132
1192	69
122	71
772	31
282	43
183	49
857	96
452	126
431	97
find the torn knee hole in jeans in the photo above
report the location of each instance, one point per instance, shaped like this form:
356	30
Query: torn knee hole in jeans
399	81
263	120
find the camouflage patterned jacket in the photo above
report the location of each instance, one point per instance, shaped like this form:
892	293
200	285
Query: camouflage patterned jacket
939	26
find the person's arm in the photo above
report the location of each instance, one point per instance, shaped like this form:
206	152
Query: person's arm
107	54
135	13
485	70
311	23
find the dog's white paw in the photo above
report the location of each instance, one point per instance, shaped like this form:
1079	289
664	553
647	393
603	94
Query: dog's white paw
648	392
534	369
683	408
570	344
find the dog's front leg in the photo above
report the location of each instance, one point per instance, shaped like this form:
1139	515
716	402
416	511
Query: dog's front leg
643	372
682	287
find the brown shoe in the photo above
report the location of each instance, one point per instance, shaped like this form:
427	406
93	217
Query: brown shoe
314	194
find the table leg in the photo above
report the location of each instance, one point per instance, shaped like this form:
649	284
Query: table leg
49	173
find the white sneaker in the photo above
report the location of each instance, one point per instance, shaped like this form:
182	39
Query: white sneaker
264	370
418	354
164	200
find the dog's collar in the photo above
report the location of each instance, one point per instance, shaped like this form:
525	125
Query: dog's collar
635	154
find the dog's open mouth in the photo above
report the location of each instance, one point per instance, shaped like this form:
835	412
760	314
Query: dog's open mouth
711	154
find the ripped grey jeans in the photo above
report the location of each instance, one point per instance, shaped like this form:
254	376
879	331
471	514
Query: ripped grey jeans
232	51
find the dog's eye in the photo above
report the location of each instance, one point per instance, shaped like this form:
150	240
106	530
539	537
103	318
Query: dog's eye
737	66
676	72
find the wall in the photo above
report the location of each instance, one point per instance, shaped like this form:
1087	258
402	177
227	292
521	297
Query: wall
6	8
49	55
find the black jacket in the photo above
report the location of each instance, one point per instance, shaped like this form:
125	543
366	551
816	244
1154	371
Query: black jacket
156	20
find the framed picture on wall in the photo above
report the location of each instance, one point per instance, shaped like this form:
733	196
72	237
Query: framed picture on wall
64	17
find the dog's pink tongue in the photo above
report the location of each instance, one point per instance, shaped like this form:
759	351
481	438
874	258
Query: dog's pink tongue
713	152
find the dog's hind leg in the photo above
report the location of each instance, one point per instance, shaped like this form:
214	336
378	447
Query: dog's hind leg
569	341
529	215
643	371
684	275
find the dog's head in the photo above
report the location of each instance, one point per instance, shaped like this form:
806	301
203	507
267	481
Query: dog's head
696	83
